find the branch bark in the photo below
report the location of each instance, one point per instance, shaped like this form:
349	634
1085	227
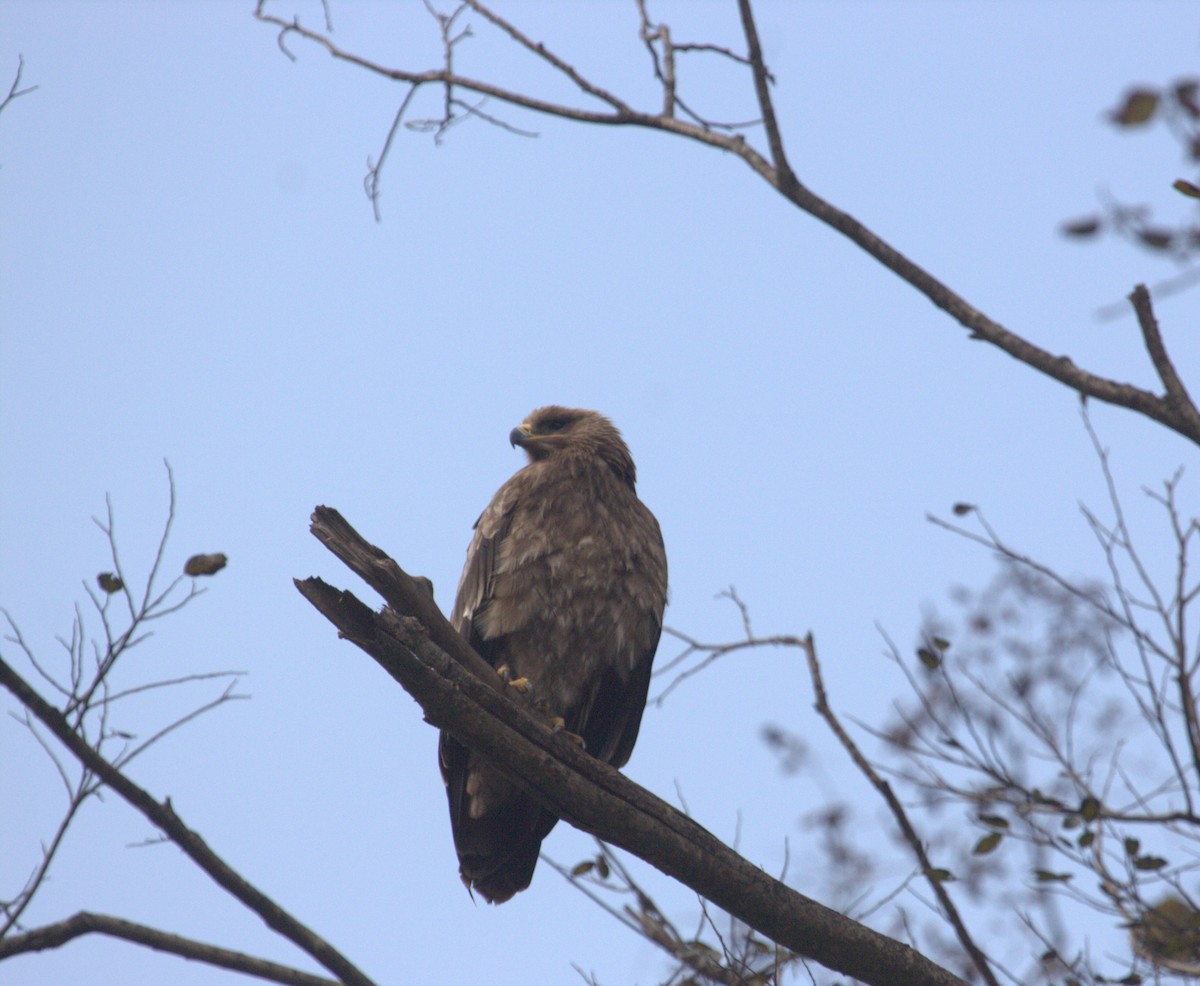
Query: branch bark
405	640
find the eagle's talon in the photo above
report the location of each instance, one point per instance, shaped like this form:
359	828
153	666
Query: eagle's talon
559	725
520	684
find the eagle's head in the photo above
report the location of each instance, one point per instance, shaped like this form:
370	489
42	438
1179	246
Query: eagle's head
555	433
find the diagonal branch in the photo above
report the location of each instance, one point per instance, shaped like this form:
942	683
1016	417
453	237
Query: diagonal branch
401	591
786	178
163	816
901	816
77	794
405	640
1177	394
544	53
371	181
85	922
1185	422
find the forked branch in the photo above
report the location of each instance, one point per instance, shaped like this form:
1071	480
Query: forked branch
405	639
15	91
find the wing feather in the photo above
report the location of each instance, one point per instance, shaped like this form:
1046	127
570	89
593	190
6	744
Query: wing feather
477	586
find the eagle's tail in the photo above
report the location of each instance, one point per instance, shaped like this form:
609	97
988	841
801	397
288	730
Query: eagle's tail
497	853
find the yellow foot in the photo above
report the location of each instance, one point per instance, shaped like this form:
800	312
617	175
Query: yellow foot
559	725
520	684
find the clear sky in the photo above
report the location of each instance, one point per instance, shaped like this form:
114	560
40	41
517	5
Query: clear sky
189	270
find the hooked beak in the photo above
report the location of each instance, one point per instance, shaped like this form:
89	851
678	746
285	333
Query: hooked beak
522	435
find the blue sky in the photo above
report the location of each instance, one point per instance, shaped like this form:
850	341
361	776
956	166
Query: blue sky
191	272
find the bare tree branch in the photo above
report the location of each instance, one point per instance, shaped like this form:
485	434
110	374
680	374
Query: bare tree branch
163	816
1177	395
15	91
542	52
785	178
772	166
88	699
935	880
77	794
150	607
86	922
85	729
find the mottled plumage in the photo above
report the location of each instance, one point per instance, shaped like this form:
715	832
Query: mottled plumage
565	584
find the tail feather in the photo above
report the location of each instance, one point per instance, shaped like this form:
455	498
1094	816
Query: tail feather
498	829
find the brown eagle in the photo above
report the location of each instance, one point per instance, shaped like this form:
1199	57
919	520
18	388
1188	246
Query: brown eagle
564	585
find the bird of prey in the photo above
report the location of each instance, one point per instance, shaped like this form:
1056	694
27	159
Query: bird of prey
564	586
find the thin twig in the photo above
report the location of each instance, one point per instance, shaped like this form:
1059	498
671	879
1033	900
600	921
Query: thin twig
227	695
15	91
41	871
544	53
371	181
172	682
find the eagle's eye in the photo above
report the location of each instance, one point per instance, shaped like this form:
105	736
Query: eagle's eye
553	424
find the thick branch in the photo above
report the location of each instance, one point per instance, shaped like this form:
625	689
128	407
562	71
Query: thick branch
163	816
85	922
579	789
399	589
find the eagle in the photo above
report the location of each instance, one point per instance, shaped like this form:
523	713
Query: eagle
563	592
